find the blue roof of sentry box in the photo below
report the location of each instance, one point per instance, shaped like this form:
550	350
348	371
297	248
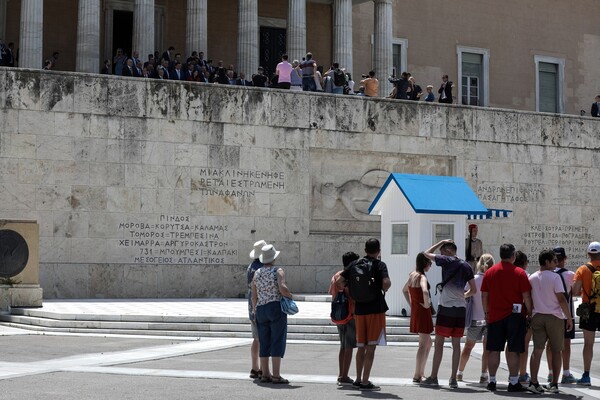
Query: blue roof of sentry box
428	194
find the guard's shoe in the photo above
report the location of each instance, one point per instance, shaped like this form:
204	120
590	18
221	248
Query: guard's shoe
568	379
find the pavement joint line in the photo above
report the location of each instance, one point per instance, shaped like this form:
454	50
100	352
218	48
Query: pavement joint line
13	370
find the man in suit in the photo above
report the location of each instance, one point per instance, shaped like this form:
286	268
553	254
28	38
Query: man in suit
241	81
596	107
177	73
167	55
128	70
445	90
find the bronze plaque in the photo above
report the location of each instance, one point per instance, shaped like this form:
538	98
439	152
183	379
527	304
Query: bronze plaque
14	253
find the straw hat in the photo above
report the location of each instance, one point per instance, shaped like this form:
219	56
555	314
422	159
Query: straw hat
255	253
269	254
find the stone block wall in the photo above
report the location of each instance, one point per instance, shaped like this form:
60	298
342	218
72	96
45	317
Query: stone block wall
158	189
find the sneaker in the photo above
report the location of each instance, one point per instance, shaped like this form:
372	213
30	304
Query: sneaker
549	378
568	379
517	387
491	386
369	386
347	381
431	381
585	381
551	388
459	376
483	379
524	378
453	384
535	388
356	384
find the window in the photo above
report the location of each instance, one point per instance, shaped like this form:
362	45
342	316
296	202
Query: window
442	232
399	238
549	84
399	55
473	70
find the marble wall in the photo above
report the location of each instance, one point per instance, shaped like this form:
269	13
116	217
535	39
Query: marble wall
158	189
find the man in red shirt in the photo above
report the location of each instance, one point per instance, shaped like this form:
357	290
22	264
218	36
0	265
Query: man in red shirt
504	289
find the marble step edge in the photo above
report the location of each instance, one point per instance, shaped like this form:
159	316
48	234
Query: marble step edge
150	333
292	320
183	326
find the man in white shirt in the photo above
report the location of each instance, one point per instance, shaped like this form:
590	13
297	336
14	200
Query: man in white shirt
284	72
550	309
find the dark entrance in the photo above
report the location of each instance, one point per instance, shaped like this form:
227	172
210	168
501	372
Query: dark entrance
272	46
122	32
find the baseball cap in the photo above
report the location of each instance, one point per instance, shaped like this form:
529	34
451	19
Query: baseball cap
594	247
559	252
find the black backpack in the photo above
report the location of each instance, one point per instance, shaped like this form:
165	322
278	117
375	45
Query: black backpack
339	78
361	281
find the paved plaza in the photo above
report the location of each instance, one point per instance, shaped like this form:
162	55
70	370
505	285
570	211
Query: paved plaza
46	365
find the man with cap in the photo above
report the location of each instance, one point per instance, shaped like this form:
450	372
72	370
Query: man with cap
474	247
583	285
255	372
567	282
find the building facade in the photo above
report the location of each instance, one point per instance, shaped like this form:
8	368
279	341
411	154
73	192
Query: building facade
539	55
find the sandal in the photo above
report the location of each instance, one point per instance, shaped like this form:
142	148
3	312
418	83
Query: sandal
279	379
255	374
265	379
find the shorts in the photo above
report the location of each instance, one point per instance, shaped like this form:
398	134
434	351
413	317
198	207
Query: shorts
548	327
347	333
450	321
510	329
476	333
272	329
570	334
592	324
370	330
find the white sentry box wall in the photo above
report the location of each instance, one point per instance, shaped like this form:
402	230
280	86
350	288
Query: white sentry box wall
394	208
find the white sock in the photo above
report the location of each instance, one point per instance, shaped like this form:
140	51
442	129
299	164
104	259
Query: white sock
460	372
566	372
492	379
484	374
513	379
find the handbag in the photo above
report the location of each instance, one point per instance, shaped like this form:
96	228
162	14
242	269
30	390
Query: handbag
288	306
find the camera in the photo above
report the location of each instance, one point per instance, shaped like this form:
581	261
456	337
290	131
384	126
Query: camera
365	75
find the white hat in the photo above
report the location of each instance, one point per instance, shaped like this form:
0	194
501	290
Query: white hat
255	253
269	254
594	247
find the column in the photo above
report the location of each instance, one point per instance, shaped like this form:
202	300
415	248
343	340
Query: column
3	4
88	36
296	30
143	27
383	63
342	33
196	30
247	38
31	39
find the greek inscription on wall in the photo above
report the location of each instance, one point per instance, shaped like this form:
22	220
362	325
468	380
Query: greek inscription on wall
510	193
573	238
237	183
177	239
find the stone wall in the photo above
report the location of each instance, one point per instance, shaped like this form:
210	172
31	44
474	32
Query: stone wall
158	189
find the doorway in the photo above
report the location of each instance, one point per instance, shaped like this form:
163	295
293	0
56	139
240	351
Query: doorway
122	33
272	47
